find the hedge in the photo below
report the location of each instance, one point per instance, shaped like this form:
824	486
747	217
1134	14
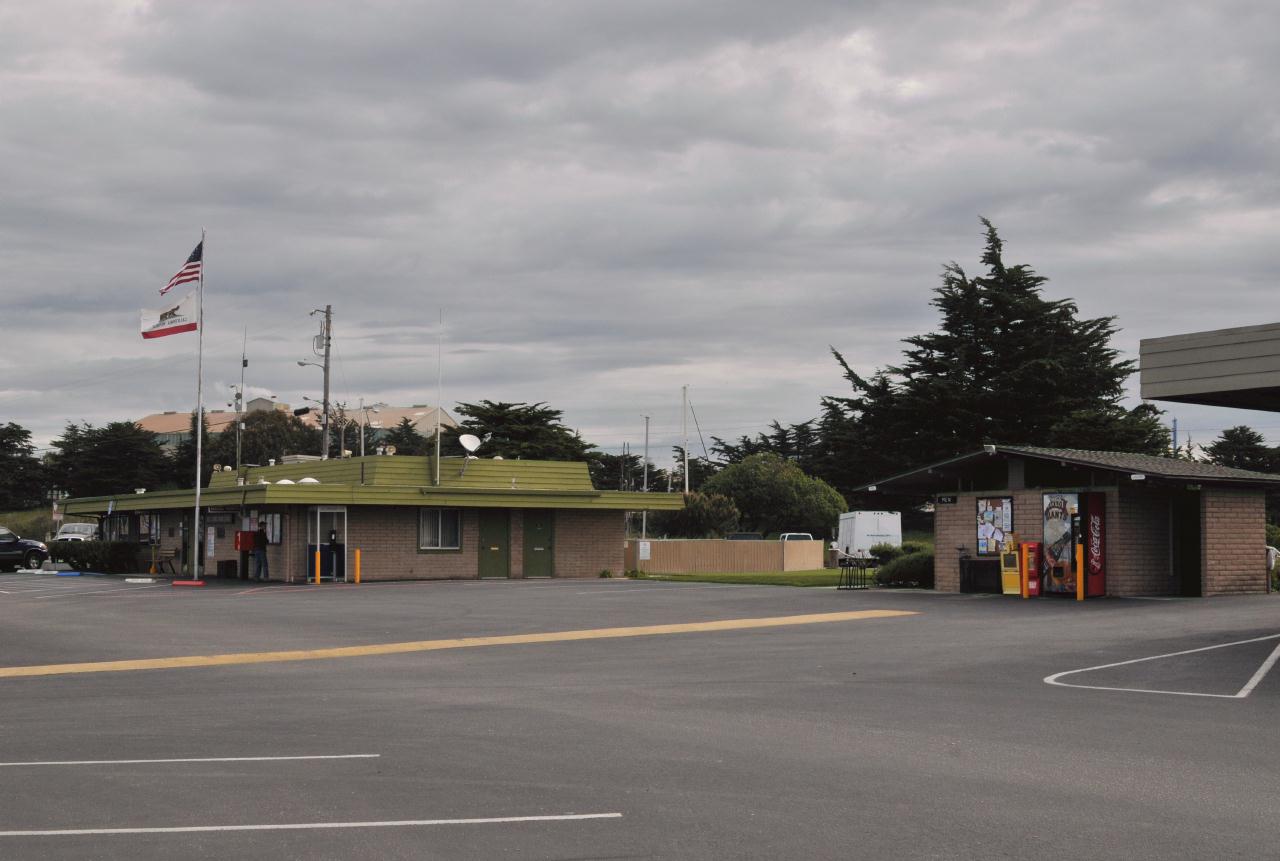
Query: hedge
914	569
108	557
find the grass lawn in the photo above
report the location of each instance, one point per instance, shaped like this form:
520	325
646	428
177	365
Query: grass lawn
820	577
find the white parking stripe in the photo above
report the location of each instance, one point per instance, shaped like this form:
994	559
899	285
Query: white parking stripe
1238	695
1258	676
190	759
82	593
307	826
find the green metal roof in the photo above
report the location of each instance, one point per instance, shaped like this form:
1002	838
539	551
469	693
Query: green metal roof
397	480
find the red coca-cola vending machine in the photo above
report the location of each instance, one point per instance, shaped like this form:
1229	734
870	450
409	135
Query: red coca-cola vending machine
1093	522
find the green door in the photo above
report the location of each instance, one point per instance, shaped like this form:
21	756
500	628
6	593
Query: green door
539	543
495	558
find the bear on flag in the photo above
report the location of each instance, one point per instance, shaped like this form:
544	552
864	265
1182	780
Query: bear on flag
180	316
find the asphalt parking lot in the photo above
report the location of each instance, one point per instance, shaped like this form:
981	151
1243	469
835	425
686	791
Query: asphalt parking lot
630	719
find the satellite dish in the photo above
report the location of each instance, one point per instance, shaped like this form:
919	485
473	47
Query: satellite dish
227	469
470	442
217	467
391	449
497	457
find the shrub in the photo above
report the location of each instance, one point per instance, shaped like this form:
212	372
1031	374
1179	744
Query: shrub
884	553
109	557
1273	535
915	569
909	547
606	574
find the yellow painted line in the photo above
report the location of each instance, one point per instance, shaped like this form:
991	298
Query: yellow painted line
236	658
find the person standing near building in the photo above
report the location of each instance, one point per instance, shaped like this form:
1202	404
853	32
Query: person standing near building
260	552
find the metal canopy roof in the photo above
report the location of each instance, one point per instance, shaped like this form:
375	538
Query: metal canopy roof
1225	368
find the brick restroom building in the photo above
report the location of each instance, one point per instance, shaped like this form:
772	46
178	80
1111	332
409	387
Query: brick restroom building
485	518
1144	525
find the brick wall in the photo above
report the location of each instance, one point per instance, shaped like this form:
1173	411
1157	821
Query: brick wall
1233	549
388	540
1137	543
956	526
585	543
517	542
588	542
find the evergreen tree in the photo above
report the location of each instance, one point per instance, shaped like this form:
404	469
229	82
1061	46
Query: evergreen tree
520	430
23	483
700	469
1242	447
184	456
1006	366
116	458
405	437
268	435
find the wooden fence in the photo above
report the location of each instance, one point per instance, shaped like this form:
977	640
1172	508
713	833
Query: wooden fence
705	556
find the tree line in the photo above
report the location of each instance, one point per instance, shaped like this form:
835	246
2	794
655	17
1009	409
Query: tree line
1005	365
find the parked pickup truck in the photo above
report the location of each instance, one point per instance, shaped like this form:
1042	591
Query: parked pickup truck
18	552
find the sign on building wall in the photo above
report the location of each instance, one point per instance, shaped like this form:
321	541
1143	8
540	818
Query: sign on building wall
995	520
644	551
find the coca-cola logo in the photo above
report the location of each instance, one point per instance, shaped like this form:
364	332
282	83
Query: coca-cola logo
1095	543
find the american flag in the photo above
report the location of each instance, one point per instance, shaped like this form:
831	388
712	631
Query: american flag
190	270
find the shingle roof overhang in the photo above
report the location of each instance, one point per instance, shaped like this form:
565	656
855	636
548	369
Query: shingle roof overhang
936	477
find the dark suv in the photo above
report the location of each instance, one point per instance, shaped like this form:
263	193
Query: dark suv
18	552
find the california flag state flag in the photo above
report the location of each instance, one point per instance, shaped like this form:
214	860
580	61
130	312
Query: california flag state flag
179	316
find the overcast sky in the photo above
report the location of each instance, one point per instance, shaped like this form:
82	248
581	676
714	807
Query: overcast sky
611	200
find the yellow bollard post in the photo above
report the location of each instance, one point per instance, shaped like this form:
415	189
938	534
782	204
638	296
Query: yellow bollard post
357	566
317	567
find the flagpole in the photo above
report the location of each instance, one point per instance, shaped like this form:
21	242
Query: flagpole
199	430
439	388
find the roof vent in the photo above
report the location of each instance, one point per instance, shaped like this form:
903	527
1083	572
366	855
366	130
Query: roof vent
286	481
308	480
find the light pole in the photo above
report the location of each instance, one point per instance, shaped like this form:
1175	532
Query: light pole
364	417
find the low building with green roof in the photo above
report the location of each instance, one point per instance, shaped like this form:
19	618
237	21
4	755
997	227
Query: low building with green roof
485	518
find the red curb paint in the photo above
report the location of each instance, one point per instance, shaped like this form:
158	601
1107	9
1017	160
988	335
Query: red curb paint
187	583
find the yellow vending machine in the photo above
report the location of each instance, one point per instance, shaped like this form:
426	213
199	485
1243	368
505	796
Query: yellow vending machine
1010	571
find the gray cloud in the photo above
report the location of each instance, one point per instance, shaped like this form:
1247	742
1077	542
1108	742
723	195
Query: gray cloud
611	201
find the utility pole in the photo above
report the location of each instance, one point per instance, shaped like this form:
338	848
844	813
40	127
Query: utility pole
644	513
328	337
684	426
244	363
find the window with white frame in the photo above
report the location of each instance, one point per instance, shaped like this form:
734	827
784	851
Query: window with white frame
440	529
